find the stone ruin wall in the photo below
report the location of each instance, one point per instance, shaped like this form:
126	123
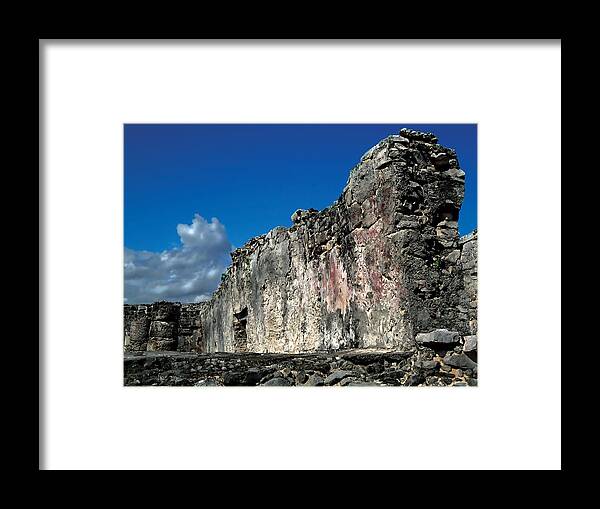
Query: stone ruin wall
468	267
163	326
380	265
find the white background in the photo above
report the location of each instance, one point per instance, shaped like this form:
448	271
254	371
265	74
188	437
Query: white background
512	420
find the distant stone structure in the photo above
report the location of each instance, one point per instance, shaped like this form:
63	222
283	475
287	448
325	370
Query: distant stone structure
163	326
379	267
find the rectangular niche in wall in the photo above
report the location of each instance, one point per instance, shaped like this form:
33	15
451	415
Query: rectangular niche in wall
240	336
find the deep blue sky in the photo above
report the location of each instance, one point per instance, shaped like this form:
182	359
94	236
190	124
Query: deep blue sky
252	177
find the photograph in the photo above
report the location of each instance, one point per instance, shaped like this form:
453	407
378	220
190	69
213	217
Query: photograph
282	255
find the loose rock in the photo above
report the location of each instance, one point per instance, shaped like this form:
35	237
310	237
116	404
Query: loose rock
459	361
336	376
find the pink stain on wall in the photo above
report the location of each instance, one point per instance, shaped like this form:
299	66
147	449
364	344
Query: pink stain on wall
376	281
335	284
374	250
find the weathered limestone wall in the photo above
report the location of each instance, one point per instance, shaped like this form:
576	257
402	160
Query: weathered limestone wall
380	265
468	266
162	326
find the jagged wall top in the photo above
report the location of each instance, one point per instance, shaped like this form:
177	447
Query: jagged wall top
442	157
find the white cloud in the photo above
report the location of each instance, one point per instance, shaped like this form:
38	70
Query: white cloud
189	273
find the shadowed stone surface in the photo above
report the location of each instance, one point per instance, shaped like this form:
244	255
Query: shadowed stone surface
421	366
459	361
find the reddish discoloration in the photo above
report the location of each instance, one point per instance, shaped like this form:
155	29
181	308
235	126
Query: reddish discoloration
364	236
335	284
376	284
375	250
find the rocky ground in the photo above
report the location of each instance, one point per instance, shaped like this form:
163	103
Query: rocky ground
447	365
